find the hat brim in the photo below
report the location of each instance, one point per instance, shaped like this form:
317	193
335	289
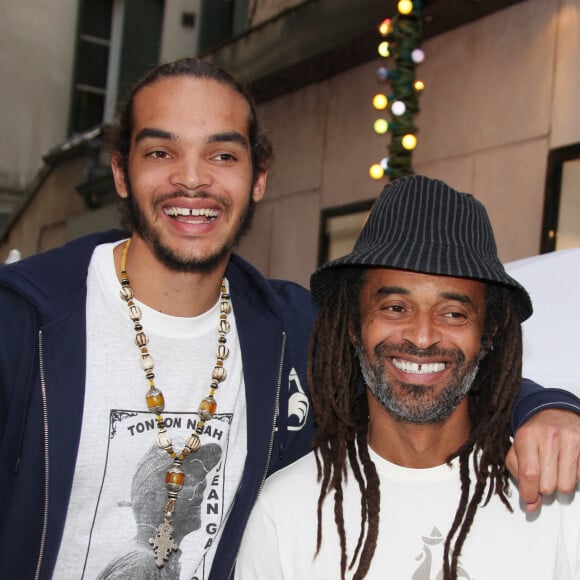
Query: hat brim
444	261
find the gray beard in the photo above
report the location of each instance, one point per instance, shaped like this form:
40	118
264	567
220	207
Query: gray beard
413	408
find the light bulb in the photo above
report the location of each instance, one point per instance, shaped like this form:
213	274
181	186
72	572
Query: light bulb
409	142
405	7
385	27
384	49
398	108
381	126
380	102
382	73
376	171
417	56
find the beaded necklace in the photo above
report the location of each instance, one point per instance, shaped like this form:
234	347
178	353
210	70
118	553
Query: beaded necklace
163	542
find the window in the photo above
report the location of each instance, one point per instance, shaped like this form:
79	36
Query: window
118	41
339	229
220	21
92	62
561	227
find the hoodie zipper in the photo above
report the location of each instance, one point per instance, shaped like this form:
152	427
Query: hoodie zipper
271	445
46	464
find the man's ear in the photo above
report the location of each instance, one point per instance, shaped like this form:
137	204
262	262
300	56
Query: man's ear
119	174
259	187
487	343
352	335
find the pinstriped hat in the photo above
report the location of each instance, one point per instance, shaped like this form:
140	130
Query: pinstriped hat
423	225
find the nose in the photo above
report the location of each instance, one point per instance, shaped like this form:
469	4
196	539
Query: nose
190	173
422	331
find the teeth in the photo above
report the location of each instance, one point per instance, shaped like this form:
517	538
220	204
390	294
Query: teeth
418	368
185	211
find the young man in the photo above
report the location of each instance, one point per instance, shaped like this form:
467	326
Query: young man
93	331
415	365
150	384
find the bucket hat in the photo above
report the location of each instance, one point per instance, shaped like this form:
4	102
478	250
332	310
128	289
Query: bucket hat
423	225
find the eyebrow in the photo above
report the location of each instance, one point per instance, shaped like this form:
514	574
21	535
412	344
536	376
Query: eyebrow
152	133
463	298
388	290
227	137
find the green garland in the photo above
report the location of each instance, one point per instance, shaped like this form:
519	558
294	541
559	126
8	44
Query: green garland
404	37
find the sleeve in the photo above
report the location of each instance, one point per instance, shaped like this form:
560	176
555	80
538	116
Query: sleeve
534	398
259	556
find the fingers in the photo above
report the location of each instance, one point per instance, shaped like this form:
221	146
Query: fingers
545	456
568	466
527	476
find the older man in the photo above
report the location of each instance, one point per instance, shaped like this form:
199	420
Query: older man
415	364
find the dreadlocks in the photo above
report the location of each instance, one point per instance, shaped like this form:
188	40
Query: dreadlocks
341	415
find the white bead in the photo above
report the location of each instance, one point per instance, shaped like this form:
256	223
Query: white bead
164	439
135	313
193	443
147	362
126	293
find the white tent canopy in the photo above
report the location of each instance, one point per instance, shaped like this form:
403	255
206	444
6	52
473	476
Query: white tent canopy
552	334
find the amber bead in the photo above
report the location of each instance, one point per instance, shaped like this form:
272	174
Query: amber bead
207	408
155	400
174	479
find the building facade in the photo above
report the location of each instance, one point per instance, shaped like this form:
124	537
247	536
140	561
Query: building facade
498	119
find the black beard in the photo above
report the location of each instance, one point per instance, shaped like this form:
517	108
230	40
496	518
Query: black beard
414	409
133	220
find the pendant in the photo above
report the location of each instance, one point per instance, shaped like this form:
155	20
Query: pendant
163	542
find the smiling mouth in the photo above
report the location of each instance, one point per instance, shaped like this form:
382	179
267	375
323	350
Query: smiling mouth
206	214
418	368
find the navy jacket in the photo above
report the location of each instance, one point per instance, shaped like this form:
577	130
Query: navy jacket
42	381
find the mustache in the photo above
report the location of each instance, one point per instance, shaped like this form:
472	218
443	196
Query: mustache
177	194
384	349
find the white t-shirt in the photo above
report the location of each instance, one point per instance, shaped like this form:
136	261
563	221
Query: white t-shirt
118	489
416	510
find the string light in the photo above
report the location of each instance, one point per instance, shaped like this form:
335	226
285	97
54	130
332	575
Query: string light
419	86
376	171
417	56
405	7
398	108
409	141
385	27
384	49
380	102
381	126
382	73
